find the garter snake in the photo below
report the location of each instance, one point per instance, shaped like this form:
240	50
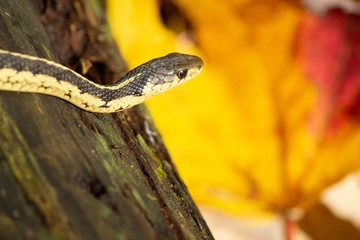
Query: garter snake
23	73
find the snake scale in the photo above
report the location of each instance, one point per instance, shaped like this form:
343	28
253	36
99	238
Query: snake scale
24	73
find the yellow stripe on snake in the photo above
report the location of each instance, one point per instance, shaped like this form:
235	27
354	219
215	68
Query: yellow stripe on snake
23	73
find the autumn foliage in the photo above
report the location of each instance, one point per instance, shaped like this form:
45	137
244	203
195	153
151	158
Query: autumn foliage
273	120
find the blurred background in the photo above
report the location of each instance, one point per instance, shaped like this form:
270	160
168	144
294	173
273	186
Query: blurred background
267	137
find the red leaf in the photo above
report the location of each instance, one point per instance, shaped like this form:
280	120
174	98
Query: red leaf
329	52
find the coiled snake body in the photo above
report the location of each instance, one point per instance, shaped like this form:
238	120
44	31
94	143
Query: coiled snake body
23	73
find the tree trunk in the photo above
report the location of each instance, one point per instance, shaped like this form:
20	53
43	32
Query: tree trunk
70	174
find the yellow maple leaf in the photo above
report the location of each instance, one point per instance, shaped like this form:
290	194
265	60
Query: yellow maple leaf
239	132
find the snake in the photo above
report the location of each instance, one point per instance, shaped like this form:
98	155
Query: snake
25	73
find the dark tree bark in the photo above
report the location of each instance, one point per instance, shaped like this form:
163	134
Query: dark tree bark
70	174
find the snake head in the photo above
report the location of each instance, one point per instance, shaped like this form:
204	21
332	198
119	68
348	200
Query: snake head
154	77
170	71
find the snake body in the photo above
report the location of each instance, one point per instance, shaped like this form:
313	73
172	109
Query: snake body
24	73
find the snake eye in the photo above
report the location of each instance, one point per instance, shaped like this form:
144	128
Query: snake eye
181	74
